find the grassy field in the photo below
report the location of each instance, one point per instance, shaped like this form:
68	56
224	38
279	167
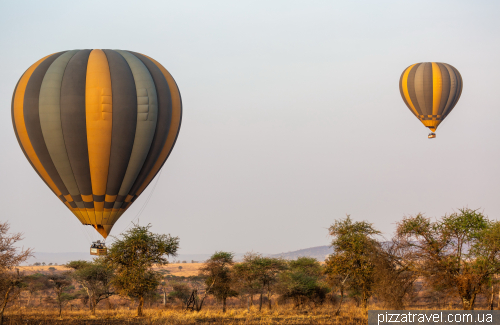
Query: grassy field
278	315
187	269
120	310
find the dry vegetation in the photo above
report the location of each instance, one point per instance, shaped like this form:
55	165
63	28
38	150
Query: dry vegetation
123	311
280	314
452	263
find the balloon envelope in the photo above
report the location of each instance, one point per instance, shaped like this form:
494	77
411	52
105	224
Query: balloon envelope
97	126
430	90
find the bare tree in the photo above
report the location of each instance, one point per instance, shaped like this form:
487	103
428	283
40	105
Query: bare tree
10	257
394	275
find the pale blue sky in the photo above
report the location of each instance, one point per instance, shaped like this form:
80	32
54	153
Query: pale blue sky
292	115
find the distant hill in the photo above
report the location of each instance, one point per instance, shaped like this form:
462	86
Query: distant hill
318	252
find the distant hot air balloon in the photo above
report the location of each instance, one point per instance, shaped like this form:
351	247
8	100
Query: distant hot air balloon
97	126
430	90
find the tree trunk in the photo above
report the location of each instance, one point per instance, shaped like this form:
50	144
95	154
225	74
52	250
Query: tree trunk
60	307
164	299
340	303
248	303
498	302
4	304
251	298
93	308
139	308
468	302
364	300
269	296
224	304
260	302
492	298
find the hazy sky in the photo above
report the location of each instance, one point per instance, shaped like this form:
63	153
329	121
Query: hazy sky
292	116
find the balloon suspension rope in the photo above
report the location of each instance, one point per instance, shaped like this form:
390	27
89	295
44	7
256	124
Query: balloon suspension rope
145	203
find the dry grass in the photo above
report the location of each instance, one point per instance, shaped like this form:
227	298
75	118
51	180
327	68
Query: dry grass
279	315
188	269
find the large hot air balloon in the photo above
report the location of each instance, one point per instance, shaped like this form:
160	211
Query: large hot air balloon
97	126
430	90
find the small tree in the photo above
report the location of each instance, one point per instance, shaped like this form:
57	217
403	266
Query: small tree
219	280
95	277
460	252
34	283
60	284
265	271
181	292
247	282
133	258
352	263
302	282
10	257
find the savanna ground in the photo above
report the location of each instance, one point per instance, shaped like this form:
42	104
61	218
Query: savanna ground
122	311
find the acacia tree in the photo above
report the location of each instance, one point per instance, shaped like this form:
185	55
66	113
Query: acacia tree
133	258
10	257
95	277
351	264
302	282
219	280
180	291
247	283
34	283
460	252
266	271
60	284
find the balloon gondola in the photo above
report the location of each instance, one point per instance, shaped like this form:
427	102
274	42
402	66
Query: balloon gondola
98	248
97	126
430	90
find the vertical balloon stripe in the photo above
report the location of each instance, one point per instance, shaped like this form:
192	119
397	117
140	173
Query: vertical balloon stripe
453	90
21	127
147	112
73	120
124	98
419	89
174	128
404	90
455	95
437	88
162	125
32	121
19	140
427	82
459	85
445	92
50	121
411	88
99	124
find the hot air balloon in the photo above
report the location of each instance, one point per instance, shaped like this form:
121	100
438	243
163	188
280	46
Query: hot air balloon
430	90
97	126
